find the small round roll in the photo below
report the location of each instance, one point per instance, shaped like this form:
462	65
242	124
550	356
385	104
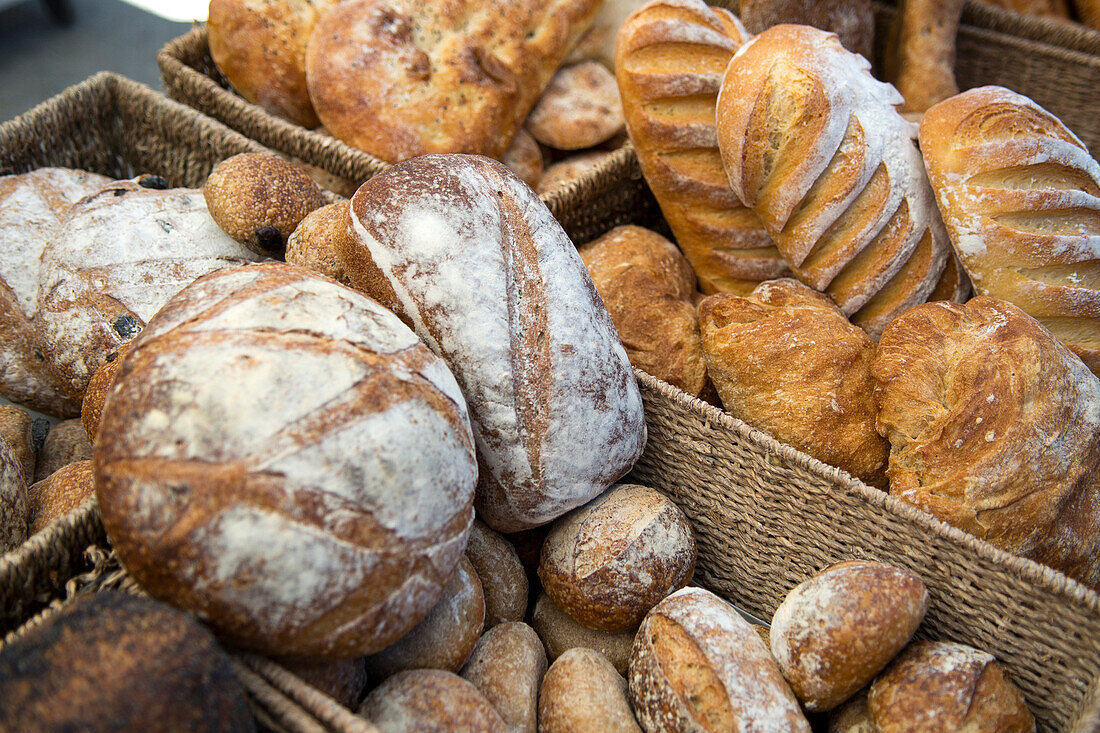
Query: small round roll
560	633
430	700
583	692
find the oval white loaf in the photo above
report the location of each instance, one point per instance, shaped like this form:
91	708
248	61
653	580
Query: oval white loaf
463	251
284	458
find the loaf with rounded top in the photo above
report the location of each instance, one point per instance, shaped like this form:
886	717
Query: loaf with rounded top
579	108
91	407
467	254
607	563
560	632
319	239
834	632
507	666
401	78
430	700
698	665
669	59
1020	196
815	146
994	427
283	457
582	692
503	577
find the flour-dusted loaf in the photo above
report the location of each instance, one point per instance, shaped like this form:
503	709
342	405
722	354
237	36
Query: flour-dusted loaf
698	666
669	61
815	146
401	78
579	108
31	205
994	427
467	254
507	666
260	46
1020	196
503	577
430	700
120	254
583	692
560	633
283	457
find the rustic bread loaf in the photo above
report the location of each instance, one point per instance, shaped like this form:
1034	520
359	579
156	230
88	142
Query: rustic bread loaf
579	108
430	700
786	360
61	492
13	500
524	158
647	284
283	457
503	577
507	666
698	666
936	686
111	661
607	563
1020	195
467	254
920	54
319	239
814	145
91	408
65	443
401	78
669	61
16	429
118	257
582	692
344	680
994	427
260	47
834	632
853	21
560	633
31	206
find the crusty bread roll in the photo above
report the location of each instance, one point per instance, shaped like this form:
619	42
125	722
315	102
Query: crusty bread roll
669	61
920	55
698	666
560	633
814	145
260	46
507	666
503	577
401	78
936	686
112	661
65	443
467	254
13	500
607	563
853	21
582	692
283	457
786	360
16	430
61	492
1020	195
994	427
91	407
430	700
579	108
647	286
834	632
319	239
31	207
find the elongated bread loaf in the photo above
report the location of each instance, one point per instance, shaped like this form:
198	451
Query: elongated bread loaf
814	145
1020	196
466	253
669	61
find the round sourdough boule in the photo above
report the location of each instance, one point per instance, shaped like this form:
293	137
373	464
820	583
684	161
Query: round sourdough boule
111	662
698	666
284	458
91	409
59	493
580	108
833	633
560	633
344	680
582	692
503	579
507	666
259	200
13	500
935	687
16	429
524	158
65	443
446	636
430	700
607	563
316	243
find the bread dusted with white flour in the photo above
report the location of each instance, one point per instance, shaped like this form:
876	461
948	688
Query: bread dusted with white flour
815	146
284	458
1020	196
466	253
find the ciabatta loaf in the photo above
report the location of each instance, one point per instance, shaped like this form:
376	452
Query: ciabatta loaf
669	61
1020	195
814	145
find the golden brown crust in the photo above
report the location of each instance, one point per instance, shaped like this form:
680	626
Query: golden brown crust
1020	197
582	692
319	239
670	57
579	108
64	490
260	46
921	56
954	284
91	408
647	285
786	360
16	431
400	78
994	428
430	700
507	666
852	20
503	578
560	633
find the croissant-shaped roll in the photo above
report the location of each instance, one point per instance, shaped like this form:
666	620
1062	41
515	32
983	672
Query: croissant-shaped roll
669	60
1020	196
816	147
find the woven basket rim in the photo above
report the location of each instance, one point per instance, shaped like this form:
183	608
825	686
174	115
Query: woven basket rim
1071	35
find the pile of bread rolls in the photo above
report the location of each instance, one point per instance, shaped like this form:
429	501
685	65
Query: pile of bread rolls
836	253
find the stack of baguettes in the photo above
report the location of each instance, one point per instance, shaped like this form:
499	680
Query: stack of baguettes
780	155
